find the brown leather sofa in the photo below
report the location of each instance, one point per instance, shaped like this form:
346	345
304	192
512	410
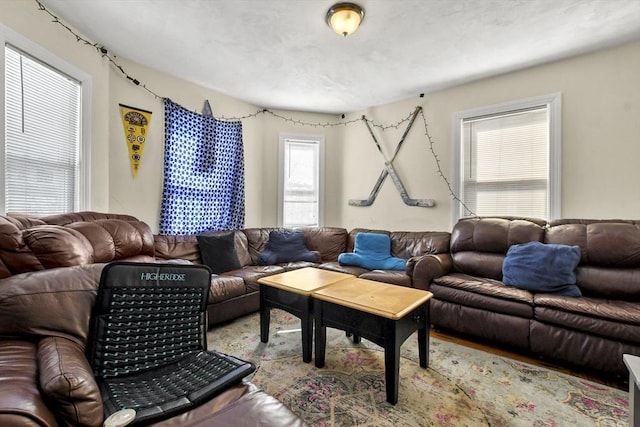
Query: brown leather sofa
49	272
592	331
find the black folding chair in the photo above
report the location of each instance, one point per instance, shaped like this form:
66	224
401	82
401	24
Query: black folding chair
148	345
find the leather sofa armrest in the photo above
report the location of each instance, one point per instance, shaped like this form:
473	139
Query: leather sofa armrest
67	380
428	267
21	401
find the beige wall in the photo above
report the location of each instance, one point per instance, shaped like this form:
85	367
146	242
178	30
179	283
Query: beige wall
600	136
142	196
273	127
114	189
600	141
414	164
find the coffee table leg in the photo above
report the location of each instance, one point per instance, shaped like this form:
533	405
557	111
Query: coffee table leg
321	334
306	322
392	372
423	339
423	347
265	315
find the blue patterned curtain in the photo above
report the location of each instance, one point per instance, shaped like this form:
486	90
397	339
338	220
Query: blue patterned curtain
203	173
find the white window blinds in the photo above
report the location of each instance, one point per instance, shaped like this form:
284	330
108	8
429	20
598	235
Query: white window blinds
42	137
506	163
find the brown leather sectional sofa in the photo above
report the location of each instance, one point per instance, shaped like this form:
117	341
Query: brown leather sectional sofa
50	268
49	272
592	331
235	293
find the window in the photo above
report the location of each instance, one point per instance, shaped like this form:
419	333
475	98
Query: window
508	159
43	157
300	188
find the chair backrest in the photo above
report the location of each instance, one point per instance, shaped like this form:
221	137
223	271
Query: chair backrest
147	316
147	343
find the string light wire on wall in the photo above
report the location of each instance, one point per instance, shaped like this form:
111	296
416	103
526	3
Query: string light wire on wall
431	144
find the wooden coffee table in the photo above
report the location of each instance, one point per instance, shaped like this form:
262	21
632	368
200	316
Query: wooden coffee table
291	292
382	313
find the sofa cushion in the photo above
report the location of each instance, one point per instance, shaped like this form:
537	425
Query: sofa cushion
58	246
479	245
407	244
224	288
67	380
496	234
250	275
373	252
542	267
239	406
14	253
609	283
286	246
610	265
172	246
218	252
329	241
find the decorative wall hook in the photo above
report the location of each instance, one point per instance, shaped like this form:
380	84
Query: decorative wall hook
206	109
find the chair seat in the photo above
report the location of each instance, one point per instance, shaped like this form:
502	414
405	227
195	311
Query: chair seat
172	388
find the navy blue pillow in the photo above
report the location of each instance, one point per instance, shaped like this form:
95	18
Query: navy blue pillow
540	267
218	252
287	246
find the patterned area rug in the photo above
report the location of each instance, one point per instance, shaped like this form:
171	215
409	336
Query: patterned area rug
350	391
461	387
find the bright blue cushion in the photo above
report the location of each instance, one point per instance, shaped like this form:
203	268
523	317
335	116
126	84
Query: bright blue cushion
373	252
287	246
540	267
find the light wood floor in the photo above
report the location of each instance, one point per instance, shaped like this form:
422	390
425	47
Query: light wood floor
619	383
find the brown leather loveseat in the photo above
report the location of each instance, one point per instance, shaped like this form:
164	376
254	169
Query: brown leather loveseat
591	331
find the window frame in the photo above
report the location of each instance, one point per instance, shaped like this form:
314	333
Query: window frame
319	139
39	53
553	102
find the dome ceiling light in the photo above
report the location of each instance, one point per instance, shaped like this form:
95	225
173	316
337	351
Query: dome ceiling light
345	18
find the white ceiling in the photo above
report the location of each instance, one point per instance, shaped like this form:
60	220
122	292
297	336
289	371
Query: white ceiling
281	53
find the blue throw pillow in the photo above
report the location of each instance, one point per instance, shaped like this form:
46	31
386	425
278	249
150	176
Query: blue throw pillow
373	252
287	246
540	267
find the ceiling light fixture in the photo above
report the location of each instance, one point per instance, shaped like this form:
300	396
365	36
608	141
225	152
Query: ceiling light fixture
345	18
